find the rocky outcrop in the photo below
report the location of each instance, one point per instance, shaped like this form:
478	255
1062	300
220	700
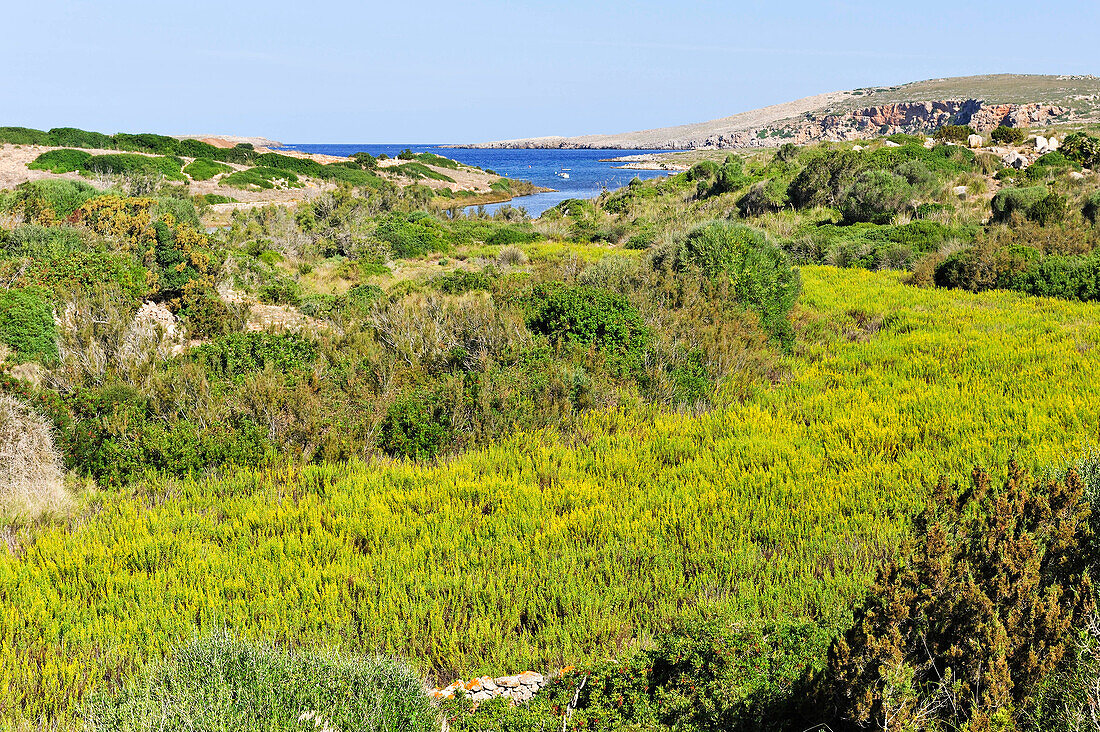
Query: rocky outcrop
859	124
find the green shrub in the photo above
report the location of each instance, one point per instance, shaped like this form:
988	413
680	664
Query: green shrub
1091	208
73	137
764	197
23	136
418	171
1081	148
591	316
181	209
760	274
460	281
219	682
1049	165
198	149
27	325
61	161
981	608
1008	135
417	425
147	142
412	235
82	270
1061	276
953	133
703	170
876	195
301	166
1049	209
261	178
207	316
61	197
237	355
280	291
212	199
1015	200
133	164
825	179
42	243
205	169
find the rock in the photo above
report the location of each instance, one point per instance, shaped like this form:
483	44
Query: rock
1074	175
891	143
1053	144
530	677
488	683
481	695
1015	160
508	682
929	143
973	141
857	148
1040	142
959	191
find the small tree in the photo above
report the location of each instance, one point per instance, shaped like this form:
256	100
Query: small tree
1008	135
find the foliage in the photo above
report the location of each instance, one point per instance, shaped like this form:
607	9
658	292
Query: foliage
51	200
132	164
218	682
953	133
412	235
1008	201
61	161
205	169
261	178
824	179
761	276
26	324
552	545
237	355
966	622
1081	148
417	425
1008	135
876	195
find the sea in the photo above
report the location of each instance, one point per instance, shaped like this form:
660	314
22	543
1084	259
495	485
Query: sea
588	177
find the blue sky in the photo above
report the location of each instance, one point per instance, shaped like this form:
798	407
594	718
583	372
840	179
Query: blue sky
327	71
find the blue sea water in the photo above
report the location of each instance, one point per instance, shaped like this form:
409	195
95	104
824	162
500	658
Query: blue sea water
587	175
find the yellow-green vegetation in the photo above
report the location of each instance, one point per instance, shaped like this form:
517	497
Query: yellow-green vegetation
545	548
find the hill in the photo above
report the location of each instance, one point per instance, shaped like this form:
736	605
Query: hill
984	101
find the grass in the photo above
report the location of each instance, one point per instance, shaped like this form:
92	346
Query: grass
546	549
31	480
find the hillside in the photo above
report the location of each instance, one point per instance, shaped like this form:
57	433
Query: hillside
984	101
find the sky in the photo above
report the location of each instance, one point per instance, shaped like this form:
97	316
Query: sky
431	71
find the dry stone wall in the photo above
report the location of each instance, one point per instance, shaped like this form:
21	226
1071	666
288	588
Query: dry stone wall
518	688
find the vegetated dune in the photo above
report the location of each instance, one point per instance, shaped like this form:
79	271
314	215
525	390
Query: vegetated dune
1012	99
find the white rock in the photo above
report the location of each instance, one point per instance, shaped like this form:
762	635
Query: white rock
857	148
891	143
1053	144
959	191
508	682
530	677
974	141
1074	175
1041	142
481	695
929	143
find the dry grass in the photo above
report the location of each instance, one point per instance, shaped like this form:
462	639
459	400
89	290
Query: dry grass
31	477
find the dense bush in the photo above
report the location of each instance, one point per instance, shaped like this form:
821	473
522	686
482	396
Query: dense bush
1008	135
262	178
61	161
412	235
240	354
1091	208
23	136
761	276
73	137
591	316
825	179
1008	201
133	164
953	133
52	199
219	682
205	169
1081	148
876	195
961	628
26	324
417	425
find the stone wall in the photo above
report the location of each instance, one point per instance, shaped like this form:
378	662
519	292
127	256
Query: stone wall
518	688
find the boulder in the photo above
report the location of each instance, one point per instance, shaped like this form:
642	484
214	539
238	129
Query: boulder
891	143
508	682
974	141
529	678
959	191
1074	175
1053	144
929	143
1015	160
1041	142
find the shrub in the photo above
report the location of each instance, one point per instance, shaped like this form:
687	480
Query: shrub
1049	209
591	316
825	179
417	425
74	137
42	243
1015	200
1008	135
133	164
953	133
764	197
60	161
261	178
31	479
205	169
219	682
212	199
460	281
1081	148
960	629
147	142
60	197
280	291
239	354
760	274
412	235
207	316
27	325
1091	208
876	195
23	136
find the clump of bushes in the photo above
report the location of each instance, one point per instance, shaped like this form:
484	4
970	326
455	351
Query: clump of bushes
261	178
962	628
27	324
1009	201
953	133
220	682
591	316
1008	135
239	354
205	169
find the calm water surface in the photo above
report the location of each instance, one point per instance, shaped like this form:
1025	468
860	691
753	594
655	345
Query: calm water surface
587	175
